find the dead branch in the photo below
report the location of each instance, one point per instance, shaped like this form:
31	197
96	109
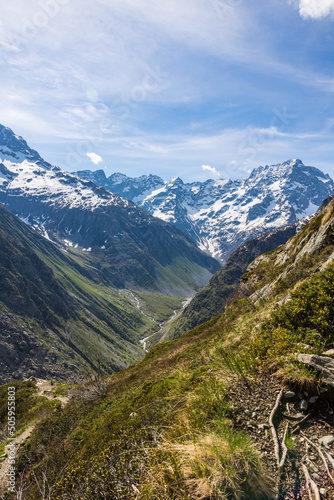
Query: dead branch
296	424
330	459
284	447
282	461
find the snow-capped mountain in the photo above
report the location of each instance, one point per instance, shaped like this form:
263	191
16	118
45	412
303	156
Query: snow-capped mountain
15	149
222	214
23	173
134	189
134	248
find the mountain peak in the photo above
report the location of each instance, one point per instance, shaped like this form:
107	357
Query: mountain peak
293	163
117	178
15	149
221	214
98	176
175	181
280	169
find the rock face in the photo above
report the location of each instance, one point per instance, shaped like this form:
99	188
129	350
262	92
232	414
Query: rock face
22	354
314	241
323	364
134	248
221	215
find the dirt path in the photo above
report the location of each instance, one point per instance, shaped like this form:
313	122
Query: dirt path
44	388
4	467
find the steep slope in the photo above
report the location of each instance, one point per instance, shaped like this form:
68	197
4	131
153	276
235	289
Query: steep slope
310	251
212	299
132	248
55	320
191	420
221	215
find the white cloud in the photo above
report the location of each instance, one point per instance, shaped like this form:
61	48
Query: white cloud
316	9
96	159
210	169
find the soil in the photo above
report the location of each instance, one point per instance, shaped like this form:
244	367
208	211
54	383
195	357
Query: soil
251	407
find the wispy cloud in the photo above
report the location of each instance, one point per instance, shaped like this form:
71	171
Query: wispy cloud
95	158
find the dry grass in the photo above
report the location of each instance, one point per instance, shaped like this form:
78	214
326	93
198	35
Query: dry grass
161	359
220	465
328	214
298	375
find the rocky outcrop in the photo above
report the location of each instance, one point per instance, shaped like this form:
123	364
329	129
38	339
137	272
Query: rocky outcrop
23	355
314	243
323	364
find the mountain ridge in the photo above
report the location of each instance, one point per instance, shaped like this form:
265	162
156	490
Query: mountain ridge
212	300
220	215
13	146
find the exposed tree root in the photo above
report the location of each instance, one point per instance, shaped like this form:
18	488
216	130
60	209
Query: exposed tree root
284	447
272	427
310	484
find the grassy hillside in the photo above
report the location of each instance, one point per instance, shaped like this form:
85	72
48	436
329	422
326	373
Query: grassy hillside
191	420
57	317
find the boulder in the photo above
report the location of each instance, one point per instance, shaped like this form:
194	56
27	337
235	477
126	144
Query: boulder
324	365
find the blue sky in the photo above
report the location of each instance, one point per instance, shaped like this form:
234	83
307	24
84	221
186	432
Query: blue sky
150	86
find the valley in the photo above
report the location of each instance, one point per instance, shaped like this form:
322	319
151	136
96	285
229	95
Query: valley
143	367
164	328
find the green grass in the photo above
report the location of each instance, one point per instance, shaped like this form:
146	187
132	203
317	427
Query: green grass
29	408
174	397
75	312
